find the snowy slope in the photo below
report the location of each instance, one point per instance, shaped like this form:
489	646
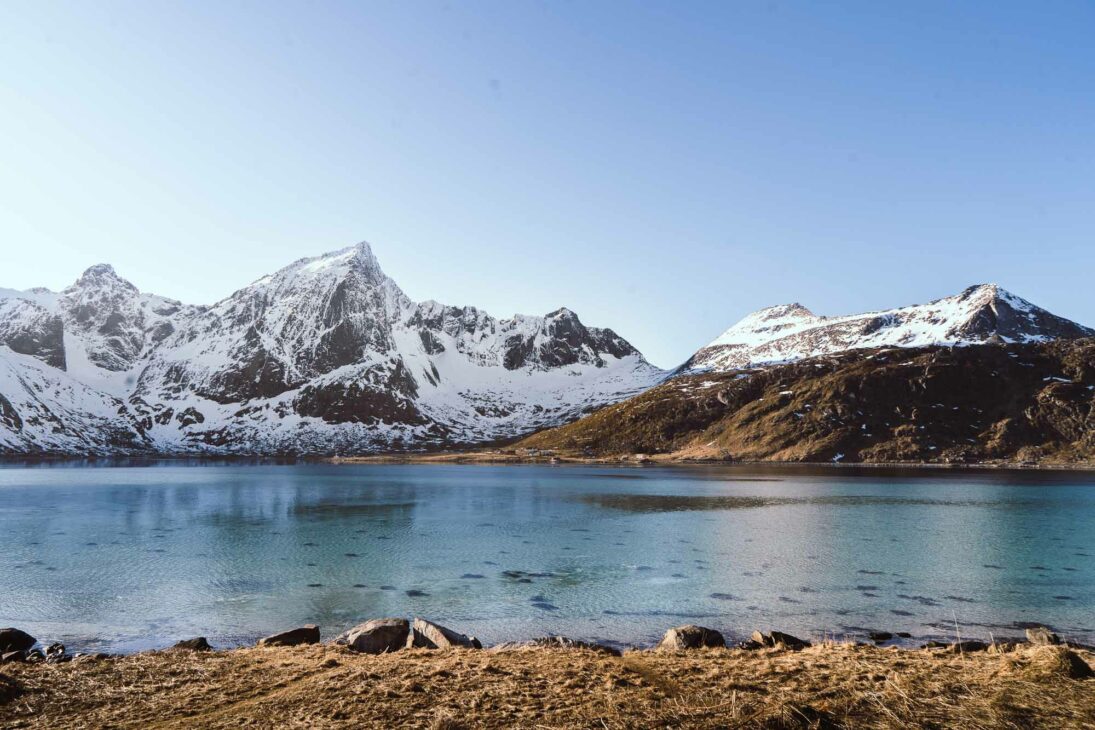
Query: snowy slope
979	314
325	355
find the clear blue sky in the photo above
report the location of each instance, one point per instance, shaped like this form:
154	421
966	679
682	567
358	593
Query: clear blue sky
662	168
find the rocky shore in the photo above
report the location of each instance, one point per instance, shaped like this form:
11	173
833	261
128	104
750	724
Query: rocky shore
394	672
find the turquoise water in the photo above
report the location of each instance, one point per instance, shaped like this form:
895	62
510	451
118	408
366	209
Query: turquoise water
133	557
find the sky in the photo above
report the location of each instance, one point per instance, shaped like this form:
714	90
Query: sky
661	168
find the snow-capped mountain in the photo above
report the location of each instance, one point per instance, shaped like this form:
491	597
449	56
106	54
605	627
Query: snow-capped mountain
326	355
980	314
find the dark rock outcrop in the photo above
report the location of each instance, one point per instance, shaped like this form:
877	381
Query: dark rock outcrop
690	636
12	639
31	330
779	639
198	643
307	634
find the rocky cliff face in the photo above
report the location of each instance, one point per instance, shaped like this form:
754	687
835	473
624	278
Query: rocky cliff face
979	314
326	355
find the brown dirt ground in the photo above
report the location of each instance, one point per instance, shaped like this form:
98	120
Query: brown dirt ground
326	686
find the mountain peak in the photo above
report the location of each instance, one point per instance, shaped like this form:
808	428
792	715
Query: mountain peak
562	313
100	270
763	323
981	313
99	276
363	252
358	258
794	310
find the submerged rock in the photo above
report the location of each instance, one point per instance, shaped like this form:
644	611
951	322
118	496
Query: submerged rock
690	636
15	640
429	635
379	636
307	634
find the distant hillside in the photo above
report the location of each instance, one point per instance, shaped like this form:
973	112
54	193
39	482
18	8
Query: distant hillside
980	403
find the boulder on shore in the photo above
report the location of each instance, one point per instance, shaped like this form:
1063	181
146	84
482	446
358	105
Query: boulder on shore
779	639
690	636
379	636
198	643
429	635
1041	636
307	634
15	640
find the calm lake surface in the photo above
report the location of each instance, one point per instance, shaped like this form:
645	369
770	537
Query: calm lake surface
134	557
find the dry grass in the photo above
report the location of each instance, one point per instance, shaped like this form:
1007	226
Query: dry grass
327	686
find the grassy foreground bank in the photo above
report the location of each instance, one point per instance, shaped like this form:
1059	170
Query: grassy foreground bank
324	686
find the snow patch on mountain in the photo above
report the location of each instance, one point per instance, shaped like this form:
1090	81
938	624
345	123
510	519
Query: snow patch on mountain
325	355
979	314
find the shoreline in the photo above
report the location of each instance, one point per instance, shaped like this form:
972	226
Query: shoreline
558	684
889	638
501	458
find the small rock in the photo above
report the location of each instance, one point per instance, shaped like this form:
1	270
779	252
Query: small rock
379	636
13	656
15	640
307	634
55	653
1041	636
880	636
429	635
690	636
778	638
198	643
961	647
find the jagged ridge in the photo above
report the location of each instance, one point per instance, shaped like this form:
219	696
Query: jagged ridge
325	355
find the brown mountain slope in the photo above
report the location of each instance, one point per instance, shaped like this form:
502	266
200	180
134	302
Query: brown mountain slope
970	404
